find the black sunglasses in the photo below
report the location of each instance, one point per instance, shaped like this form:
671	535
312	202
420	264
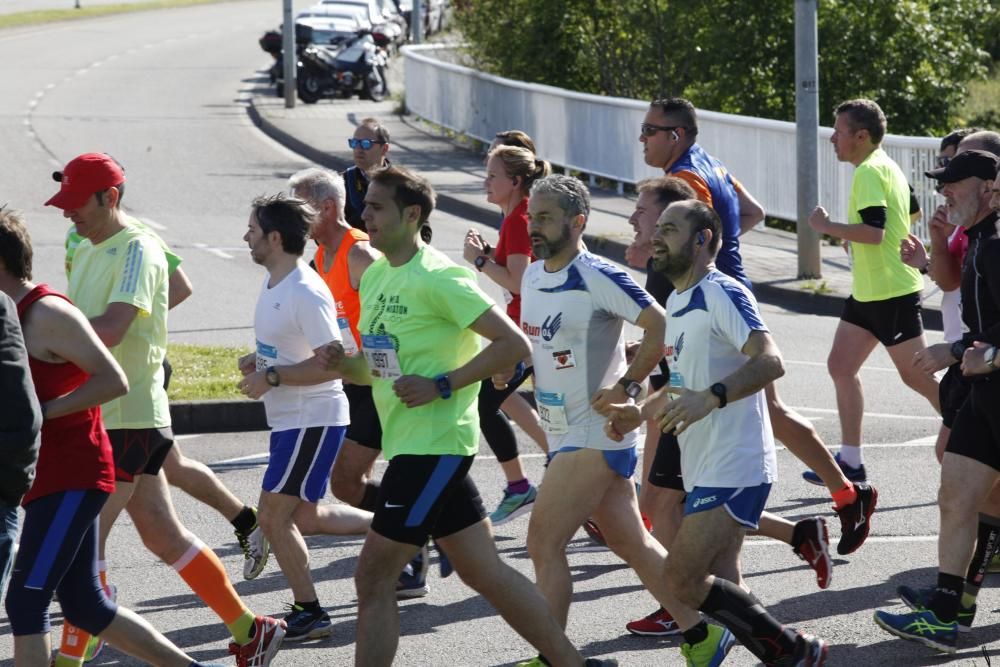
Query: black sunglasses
364	143
943	161
648	129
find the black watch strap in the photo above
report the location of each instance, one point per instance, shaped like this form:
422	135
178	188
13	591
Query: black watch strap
719	391
958	350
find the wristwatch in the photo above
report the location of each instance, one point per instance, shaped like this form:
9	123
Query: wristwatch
632	388
925	268
719	391
480	262
991	357
443	385
272	377
958	350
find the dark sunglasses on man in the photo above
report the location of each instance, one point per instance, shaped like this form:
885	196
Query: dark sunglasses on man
364	143
648	129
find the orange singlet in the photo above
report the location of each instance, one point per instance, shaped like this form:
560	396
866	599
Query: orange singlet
338	279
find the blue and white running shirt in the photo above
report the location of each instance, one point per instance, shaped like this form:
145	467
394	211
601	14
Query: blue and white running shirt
707	326
574	319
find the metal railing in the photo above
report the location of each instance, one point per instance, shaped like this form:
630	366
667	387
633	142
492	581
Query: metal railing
600	135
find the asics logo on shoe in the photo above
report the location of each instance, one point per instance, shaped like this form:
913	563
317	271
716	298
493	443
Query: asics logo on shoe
706	500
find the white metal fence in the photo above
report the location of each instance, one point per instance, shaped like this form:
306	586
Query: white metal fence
600	135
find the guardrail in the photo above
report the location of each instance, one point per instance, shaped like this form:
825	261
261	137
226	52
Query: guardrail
600	135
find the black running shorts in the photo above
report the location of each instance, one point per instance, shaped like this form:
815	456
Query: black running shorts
139	451
666	469
891	321
365	428
426	496
952	392
976	431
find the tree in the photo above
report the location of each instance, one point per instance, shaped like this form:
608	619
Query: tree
912	56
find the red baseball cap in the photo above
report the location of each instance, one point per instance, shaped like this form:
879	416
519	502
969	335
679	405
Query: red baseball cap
82	177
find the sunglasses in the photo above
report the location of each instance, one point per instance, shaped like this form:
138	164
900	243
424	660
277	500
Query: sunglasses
364	143
648	129
943	161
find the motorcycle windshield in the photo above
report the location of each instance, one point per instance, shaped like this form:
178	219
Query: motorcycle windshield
352	54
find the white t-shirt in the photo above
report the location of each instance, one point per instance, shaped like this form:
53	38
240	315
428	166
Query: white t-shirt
574	319
292	319
707	326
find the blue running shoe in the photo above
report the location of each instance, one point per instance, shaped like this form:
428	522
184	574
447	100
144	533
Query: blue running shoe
444	565
710	652
412	582
304	624
920	626
853	474
513	505
917	599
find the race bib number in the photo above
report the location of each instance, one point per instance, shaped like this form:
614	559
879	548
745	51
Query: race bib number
267	355
676	381
350	345
552	412
381	357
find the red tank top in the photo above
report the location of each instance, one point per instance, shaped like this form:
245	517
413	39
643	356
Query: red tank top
75	453
338	279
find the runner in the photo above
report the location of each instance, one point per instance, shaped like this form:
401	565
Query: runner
722	358
425	390
119	281
306	407
73	373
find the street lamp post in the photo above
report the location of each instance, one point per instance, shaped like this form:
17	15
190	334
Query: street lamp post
806	134
291	57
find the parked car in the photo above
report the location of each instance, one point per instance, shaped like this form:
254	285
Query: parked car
388	27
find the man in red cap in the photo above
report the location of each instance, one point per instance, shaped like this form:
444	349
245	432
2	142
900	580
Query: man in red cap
119	281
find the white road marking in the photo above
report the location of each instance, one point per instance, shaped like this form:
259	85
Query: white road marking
213	250
154	224
872	539
877	415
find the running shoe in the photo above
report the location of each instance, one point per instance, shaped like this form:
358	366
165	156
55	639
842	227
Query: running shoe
594	532
917	599
658	624
444	565
533	662
856	519
95	644
920	626
513	505
267	636
712	650
412	582
853	474
814	548
302	624
255	549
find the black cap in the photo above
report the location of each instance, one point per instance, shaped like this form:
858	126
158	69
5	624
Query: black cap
967	164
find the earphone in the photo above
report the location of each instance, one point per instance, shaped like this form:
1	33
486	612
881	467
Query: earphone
701	238
674	134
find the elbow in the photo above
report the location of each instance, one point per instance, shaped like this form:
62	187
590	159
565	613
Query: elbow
120	385
520	346
777	368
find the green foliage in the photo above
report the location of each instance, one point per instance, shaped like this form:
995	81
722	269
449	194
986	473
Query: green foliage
913	56
33	17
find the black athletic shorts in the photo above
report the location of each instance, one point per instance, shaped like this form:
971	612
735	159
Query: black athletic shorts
426	496
976	431
139	451
892	321
365	428
666	469
952	392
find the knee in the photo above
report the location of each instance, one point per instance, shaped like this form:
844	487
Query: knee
27	609
92	612
370	580
838	371
347	486
542	546
272	525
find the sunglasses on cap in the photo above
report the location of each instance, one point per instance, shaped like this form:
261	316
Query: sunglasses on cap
942	161
364	143
648	129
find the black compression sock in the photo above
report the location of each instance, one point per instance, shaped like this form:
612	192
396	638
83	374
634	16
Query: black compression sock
245	521
944	603
987	541
310	606
369	501
697	634
748	621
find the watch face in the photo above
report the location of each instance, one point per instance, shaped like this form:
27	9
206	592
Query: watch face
633	390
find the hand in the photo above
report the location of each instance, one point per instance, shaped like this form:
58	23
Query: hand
912	252
819	220
622	418
939	227
255	384
331	355
415	391
932	359
503	378
638	254
473	246
605	397
686	409
247	363
974	359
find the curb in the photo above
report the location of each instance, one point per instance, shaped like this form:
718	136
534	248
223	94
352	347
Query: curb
217	417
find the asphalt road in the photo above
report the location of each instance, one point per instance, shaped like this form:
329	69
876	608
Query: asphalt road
163	93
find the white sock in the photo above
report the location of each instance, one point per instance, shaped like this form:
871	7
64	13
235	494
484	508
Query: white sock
851	455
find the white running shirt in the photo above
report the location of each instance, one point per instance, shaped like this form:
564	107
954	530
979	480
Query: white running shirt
707	326
292	319
574	319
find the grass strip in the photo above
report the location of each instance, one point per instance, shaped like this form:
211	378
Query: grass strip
37	16
203	372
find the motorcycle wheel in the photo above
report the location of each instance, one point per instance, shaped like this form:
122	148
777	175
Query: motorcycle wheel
310	89
375	91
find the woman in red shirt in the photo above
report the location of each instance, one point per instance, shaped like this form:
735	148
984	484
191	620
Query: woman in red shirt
510	171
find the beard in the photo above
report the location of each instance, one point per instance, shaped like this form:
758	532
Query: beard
675	266
544	248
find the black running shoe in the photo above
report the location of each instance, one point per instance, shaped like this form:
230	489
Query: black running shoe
855	519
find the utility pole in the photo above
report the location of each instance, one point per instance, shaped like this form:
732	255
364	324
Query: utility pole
807	134
290	57
417	21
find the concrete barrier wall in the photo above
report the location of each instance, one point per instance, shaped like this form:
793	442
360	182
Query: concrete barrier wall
600	135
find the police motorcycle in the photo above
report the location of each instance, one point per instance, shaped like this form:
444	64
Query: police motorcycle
354	66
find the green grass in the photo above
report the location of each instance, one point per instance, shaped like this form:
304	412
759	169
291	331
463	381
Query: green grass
47	15
204	372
